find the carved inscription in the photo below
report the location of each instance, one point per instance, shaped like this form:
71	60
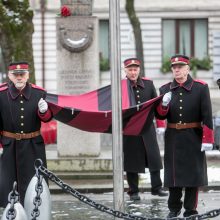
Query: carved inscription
75	82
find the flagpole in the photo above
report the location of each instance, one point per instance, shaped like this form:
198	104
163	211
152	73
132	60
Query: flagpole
117	151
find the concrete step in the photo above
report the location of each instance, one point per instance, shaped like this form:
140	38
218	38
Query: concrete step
85	175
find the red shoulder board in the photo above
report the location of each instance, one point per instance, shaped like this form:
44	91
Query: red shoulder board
200	81
166	84
37	87
145	78
3	86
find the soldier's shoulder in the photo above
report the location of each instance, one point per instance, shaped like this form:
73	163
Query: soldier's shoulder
199	81
3	87
146	79
37	87
165	85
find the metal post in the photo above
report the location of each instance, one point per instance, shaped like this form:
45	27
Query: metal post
43	9
117	153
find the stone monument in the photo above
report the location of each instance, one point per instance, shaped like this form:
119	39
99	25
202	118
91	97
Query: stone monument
77	70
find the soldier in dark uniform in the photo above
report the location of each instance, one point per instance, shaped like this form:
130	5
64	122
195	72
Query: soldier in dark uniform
22	108
141	151
187	107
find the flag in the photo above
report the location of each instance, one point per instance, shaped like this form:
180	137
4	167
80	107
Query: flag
92	111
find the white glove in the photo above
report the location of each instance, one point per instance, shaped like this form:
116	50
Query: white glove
206	147
160	131
166	99
42	105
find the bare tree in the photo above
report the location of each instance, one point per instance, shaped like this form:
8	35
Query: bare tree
135	23
16	29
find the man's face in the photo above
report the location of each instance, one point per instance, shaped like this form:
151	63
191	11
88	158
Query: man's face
180	72
19	79
132	72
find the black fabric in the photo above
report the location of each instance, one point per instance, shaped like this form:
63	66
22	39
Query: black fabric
156	182
133	180
142	151
19	115
184	163
92	111
190	199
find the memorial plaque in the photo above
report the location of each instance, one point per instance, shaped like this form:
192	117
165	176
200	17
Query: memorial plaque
77	73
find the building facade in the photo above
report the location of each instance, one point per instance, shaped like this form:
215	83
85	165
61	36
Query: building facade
168	27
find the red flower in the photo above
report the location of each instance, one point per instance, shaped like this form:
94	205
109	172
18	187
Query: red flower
65	11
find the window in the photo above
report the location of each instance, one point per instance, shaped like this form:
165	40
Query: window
2	68
103	44
185	36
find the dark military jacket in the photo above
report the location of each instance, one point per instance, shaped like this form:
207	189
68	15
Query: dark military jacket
142	151
19	114
184	163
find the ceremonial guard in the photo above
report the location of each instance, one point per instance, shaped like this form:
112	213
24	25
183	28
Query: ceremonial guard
22	108
187	107
141	151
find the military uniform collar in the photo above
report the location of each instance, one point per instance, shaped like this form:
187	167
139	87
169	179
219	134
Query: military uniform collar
138	83
14	92
186	85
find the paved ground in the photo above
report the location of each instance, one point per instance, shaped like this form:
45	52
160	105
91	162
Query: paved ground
66	207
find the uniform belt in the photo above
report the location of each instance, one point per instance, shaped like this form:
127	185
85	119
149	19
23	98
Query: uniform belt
184	125
20	136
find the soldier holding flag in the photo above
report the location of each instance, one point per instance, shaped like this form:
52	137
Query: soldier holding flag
187	107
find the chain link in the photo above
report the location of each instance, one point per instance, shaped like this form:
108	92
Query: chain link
118	214
13	198
37	199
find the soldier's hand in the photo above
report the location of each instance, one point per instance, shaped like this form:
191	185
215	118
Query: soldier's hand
206	147
42	105
166	99
160	131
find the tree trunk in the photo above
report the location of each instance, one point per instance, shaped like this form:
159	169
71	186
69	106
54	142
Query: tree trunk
16	29
137	32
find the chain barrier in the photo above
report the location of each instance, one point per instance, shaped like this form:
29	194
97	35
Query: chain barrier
103	208
37	199
13	198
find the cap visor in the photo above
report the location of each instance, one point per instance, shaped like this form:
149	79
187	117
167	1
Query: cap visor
178	63
18	71
133	64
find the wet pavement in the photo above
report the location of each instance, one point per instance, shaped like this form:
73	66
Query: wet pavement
66	207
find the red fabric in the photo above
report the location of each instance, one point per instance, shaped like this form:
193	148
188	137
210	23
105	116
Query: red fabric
134	128
160	123
132	61
200	81
37	87
46	116
208	135
65	11
162	110
3	88
18	67
92	111
89	101
49	132
177	60
101	121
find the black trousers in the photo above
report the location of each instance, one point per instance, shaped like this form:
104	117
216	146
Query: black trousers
190	199
133	180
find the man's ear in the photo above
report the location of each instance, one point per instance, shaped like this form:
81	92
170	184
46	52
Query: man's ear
9	75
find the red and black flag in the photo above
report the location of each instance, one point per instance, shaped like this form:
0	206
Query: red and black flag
92	111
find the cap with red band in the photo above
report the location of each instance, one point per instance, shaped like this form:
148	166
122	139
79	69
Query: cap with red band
132	62
18	67
179	59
